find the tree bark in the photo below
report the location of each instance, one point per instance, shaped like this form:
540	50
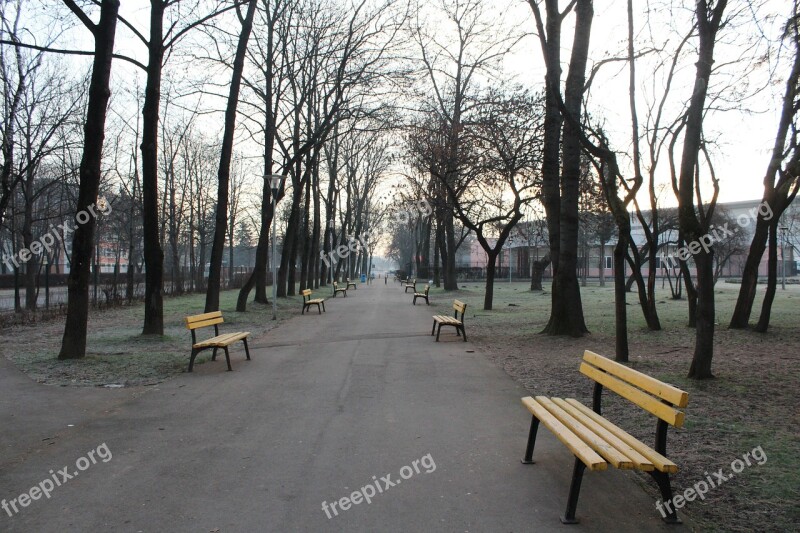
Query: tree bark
772	279
566	317
153	254
708	23
73	344
220	227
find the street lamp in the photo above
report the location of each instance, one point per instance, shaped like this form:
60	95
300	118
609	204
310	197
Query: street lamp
783	229
46	281
275	183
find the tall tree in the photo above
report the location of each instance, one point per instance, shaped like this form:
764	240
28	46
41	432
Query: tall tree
694	223
780	188
561	191
73	344
221	218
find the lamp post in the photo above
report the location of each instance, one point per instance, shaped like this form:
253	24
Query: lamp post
46	282
275	183
331	235
783	229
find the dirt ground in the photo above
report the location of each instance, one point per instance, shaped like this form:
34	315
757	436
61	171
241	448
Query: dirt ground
751	402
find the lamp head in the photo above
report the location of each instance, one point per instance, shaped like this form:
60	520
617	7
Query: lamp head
275	182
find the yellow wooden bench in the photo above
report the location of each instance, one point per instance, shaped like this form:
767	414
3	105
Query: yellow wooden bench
410	284
337	290
308	301
195	322
423	294
596	442
350	283
455	321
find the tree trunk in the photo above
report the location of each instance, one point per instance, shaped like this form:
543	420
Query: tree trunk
704	340
772	279
620	306
566	317
490	271
73	344
450	278
220	227
537	273
153	254
690	226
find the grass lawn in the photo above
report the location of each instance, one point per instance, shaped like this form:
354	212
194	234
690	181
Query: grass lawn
752	401
115	335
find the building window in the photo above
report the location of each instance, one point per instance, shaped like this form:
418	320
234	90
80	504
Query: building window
609	263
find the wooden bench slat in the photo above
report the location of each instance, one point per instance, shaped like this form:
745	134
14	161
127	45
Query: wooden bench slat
640	462
205	323
649	384
222	340
649	403
580	449
203	316
606	450
660	462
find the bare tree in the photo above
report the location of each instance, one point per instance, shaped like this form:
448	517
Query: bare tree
73	344
780	188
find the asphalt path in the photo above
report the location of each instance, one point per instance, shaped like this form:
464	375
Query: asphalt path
329	405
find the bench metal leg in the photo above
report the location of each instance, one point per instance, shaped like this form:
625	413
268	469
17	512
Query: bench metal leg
246	349
662	479
438	331
214	355
463	334
433	329
304	309
528	459
191	358
228	358
574	492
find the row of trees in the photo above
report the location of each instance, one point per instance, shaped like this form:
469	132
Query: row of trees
336	98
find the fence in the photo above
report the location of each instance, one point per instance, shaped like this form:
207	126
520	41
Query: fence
106	289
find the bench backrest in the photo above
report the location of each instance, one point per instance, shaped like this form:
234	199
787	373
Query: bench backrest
206	319
306	293
335	285
458	307
658	398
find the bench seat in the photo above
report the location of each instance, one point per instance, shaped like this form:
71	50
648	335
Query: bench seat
456	321
224	340
221	341
596	442
308	301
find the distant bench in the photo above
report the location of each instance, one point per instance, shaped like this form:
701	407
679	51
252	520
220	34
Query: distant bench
423	294
351	283
214	318
455	321
410	284
595	441
337	289
308	301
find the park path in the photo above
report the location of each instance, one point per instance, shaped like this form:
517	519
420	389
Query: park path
328	402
